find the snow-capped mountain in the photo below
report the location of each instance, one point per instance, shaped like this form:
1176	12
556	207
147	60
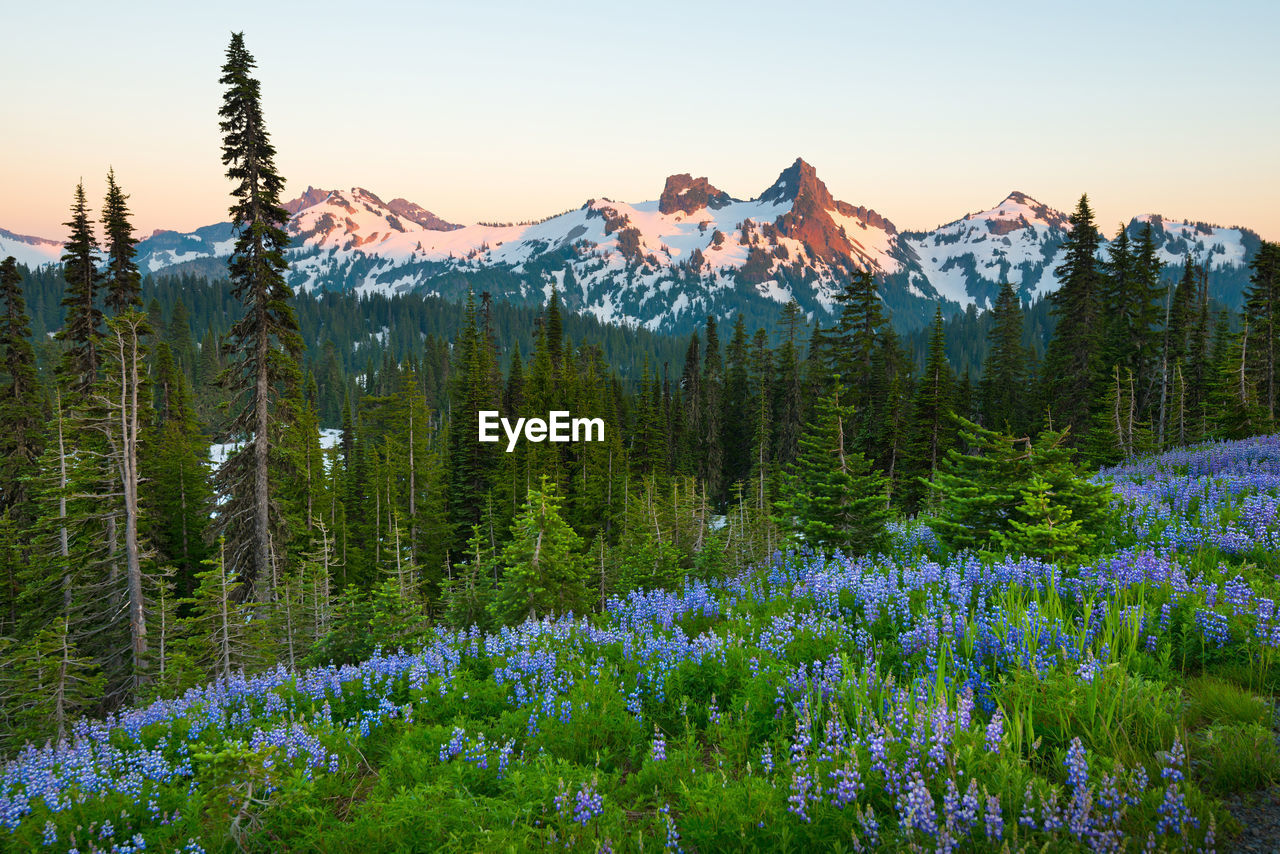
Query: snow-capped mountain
663	264
1020	241
1017	241
32	251
666	264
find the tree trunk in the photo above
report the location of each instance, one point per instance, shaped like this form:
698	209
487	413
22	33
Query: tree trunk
129	424
64	549
261	496
224	643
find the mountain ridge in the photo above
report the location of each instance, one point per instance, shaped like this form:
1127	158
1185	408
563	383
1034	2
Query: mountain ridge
665	264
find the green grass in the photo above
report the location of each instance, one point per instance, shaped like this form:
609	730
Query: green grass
1236	757
1211	700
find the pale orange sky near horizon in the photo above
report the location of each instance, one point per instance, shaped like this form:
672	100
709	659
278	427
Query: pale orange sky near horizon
506	111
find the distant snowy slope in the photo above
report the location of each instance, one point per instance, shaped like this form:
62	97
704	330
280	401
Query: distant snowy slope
1020	241
1222	247
32	251
1016	241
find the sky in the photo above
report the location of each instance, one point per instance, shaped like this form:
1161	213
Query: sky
506	111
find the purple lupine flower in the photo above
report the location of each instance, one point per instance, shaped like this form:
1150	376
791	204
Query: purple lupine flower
1173	811
504	756
995	731
1050	813
454	747
992	820
917	809
1077	765
869	824
1027	817
672	844
801	789
964	709
658	747
1173	762
588	803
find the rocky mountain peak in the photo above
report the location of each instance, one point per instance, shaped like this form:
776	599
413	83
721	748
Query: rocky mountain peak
798	180
312	196
687	194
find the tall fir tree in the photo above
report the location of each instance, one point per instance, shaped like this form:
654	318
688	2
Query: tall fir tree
1136	335
788	389
264	343
472	464
1262	307
82	330
932	428
738	422
21	401
1003	388
1072	361
121	280
711	391
178	498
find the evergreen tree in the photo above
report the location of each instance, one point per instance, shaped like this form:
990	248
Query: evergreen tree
176	503
218	632
831	496
264	343
688	452
1136	333
120	412
83	327
177	334
788	405
1116	289
762	418
545	571
467	595
1180	312
1118	432
711	391
858	330
1235	397
981	492
1072	362
553	329
932	430
1262	306
472	464
1003	388
44	685
884	423
21	419
738	421
1044	528
121	281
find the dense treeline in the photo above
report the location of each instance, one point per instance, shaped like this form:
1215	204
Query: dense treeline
130	569
347	335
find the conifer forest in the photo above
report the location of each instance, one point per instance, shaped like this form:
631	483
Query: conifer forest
1006	581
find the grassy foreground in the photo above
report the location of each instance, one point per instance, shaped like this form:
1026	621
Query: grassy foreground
910	701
